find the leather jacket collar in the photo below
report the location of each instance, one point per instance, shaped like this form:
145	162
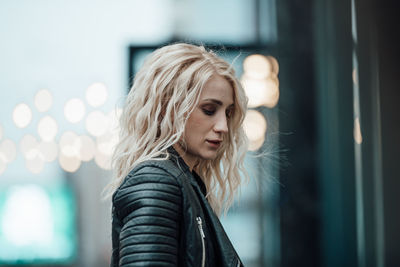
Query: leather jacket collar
227	253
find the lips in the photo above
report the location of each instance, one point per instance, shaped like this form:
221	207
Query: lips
214	143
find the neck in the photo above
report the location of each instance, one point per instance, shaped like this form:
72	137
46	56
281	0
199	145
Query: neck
189	160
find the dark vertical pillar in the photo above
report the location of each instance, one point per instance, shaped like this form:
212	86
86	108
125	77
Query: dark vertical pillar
388	21
366	48
297	112
333	58
378	24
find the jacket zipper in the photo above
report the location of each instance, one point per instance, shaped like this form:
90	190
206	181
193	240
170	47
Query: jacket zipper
203	236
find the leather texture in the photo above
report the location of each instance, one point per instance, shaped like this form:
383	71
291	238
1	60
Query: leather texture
155	219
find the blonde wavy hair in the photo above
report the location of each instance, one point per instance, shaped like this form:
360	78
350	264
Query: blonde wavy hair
164	94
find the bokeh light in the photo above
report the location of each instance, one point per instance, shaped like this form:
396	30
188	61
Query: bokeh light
273	77
35	162
47	128
254	145
113	120
256	91
272	93
29	146
43	100
22	115
3	163
3	159
274	64
103	161
37	153
260	92
70	144
255	127
87	148
27	216
69	164
96	94
106	143
49	150
8	150
74	110
96	123
257	66
260	80
357	131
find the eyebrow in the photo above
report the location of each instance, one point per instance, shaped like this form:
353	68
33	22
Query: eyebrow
215	101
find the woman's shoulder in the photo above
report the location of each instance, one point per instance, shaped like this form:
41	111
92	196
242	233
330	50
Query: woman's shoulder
149	184
156	166
161	172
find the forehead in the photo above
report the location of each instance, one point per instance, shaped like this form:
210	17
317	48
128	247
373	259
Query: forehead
218	88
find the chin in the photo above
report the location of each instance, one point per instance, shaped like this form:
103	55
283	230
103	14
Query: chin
209	155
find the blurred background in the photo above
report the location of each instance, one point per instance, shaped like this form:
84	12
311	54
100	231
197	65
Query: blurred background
323	124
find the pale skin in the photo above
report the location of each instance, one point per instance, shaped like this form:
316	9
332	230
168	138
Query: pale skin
208	124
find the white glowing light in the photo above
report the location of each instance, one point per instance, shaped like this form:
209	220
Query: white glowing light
257	66
274	78
255	127
22	115
70	144
49	150
357	131
106	143
96	123
47	128
74	110
87	148
255	90
43	100
272	93
35	162
260	92
103	161
9	150
254	145
69	164
274	64
29	146
27	218
96	94
3	163
113	120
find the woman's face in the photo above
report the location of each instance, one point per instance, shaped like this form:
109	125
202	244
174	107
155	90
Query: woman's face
208	124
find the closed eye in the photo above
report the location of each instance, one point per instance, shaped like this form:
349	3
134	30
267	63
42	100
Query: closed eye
210	109
208	112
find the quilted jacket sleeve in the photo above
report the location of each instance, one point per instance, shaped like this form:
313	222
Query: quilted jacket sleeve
148	205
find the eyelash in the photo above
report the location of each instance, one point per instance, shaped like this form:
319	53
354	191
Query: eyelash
207	112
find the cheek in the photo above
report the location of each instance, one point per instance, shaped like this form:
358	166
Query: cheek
195	121
197	126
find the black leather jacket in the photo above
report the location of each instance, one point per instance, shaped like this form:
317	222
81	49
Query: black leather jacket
160	217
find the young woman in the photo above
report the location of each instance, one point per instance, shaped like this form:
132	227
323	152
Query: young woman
178	161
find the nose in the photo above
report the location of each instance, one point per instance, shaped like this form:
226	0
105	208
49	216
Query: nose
221	124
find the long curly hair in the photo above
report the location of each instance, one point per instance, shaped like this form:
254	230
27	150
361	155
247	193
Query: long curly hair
164	94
